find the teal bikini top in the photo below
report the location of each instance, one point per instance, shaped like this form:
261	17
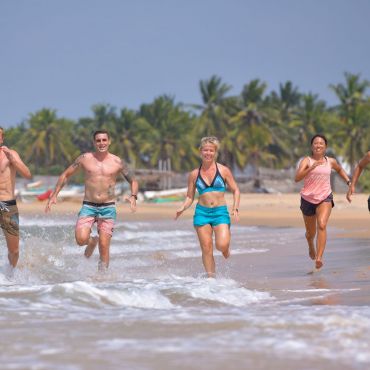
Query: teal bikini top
218	183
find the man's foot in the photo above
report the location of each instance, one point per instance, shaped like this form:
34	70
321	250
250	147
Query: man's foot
89	250
211	275
318	264
102	266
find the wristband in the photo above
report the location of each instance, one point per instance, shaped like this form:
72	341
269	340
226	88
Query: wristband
133	195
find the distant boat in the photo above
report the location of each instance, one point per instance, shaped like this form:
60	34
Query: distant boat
161	196
41	194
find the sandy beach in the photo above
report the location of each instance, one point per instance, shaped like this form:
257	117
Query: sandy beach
274	210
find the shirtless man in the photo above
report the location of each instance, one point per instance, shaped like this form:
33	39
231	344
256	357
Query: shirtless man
10	164
356	174
101	169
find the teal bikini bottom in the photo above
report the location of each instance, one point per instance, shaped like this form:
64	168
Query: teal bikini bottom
211	216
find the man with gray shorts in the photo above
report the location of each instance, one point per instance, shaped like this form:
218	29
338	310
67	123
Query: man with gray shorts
10	164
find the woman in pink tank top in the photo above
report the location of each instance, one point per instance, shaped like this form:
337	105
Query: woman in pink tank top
316	195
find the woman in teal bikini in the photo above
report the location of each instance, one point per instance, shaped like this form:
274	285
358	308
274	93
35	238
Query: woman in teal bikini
211	213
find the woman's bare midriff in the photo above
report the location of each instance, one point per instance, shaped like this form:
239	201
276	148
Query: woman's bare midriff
212	199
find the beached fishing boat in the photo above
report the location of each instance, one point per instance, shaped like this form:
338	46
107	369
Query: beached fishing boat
161	196
41	193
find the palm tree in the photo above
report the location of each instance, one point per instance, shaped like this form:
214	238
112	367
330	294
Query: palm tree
169	136
352	110
48	140
281	109
214	112
253	134
215	118
128	130
310	119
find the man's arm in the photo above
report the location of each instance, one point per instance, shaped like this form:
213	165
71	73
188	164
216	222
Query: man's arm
356	174
62	180
130	178
16	161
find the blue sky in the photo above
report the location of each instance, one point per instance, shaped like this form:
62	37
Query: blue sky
70	54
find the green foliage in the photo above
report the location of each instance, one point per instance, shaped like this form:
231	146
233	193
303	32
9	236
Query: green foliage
253	127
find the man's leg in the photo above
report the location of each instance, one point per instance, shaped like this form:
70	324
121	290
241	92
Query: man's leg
12	242
83	235
104	246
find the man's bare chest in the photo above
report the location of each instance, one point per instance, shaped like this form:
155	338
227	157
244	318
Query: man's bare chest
101	169
4	166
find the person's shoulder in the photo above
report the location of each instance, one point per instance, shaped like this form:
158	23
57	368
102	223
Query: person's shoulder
303	161
13	151
365	159
333	162
222	167
116	159
194	173
85	156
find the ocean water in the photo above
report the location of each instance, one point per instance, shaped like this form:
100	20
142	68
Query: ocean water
155	309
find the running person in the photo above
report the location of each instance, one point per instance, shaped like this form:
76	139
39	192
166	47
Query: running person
101	169
211	213
356	174
10	164
316	195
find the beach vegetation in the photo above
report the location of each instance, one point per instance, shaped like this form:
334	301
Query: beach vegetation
255	128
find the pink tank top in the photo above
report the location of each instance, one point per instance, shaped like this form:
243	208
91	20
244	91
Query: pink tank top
316	185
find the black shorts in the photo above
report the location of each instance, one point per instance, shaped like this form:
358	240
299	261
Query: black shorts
309	209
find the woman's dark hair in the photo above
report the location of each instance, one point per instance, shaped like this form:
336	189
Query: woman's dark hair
322	137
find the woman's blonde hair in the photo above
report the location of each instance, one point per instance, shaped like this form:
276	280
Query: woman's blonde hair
209	140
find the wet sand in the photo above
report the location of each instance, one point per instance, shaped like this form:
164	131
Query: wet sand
274	210
346	258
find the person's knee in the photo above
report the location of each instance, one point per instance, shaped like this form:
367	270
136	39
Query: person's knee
207	248
321	224
14	252
222	245
81	240
310	235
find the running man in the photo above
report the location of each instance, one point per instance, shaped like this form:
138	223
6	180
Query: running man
356	174
101	170
10	164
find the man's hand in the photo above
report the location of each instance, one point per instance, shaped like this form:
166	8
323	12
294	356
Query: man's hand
8	153
350	191
132	200
52	200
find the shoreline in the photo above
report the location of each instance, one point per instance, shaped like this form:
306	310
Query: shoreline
272	210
